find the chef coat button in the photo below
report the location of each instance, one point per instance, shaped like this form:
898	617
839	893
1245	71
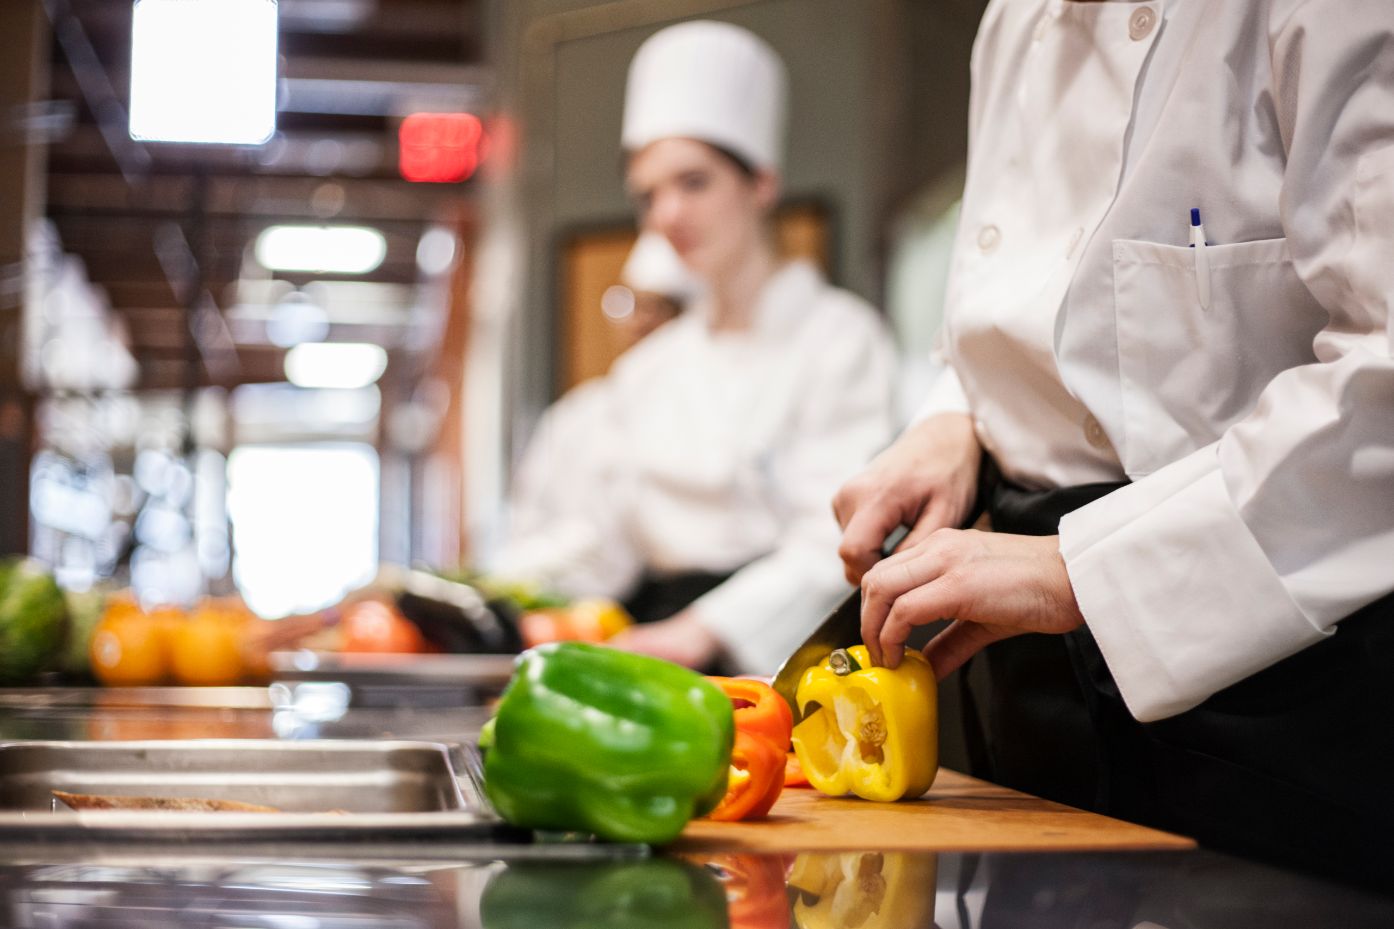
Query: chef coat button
988	237
1094	433
1141	22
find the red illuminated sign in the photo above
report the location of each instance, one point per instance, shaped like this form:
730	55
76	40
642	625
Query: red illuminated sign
440	148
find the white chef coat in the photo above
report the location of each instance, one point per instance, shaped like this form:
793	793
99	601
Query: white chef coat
721	451
560	518
1258	433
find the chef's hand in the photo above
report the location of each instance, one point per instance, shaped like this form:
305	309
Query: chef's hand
925	481
680	638
992	585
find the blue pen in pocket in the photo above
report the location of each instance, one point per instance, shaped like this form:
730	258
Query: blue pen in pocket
1202	259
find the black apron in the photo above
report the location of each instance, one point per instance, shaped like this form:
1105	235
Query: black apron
661	596
1294	765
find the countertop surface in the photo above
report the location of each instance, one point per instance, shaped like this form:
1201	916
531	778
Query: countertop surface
969	855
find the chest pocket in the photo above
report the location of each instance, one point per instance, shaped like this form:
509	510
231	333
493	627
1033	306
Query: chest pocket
1187	373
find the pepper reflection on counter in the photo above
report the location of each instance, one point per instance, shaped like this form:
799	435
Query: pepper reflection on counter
64	887
867	890
852	890
619	895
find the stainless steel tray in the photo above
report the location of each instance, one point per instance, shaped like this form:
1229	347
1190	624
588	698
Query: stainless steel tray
327	790
489	672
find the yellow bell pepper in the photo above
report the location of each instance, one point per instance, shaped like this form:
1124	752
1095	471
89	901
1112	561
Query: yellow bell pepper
866	890
874	731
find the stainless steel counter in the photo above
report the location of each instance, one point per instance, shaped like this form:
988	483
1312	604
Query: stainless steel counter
388	882
464	888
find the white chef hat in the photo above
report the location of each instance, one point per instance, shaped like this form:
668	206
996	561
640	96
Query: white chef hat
710	81
654	267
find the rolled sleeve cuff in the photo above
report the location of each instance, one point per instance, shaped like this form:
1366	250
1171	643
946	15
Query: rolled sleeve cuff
946	395
766	610
1176	591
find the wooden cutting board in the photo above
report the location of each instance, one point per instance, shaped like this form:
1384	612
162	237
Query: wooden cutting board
960	813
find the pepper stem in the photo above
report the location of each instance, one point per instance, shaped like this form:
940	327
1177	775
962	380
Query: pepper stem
842	662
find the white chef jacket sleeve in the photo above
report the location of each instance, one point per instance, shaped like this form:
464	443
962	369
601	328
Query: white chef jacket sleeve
1255	547
764	610
946	395
562	533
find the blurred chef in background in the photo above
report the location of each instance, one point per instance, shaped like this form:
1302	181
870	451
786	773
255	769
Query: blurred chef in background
727	430
558	533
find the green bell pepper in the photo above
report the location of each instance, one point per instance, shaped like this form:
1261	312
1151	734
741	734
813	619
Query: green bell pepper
592	739
613	895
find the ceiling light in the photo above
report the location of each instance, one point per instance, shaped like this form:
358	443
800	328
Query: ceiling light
203	71
296	319
321	249
436	251
346	365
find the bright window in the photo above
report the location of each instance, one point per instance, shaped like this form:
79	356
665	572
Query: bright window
304	523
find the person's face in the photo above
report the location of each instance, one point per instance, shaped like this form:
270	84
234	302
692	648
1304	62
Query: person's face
710	210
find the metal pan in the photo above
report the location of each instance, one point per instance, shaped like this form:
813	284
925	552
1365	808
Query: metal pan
326	790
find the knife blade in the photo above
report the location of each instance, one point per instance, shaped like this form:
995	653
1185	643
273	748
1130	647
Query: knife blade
841	628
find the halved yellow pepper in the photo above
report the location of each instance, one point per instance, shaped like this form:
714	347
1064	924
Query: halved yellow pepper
874	731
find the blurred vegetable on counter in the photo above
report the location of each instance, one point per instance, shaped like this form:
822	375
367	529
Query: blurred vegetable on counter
85	610
592	739
589	620
372	626
131	648
206	647
33	620
211	645
523	596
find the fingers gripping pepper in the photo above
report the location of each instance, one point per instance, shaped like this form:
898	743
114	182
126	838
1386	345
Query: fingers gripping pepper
588	738
868	731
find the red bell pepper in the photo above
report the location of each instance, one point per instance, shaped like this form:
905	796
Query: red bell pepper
759	709
755	780
764	725
793	772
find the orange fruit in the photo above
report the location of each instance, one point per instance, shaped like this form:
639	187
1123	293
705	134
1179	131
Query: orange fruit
206	646
130	648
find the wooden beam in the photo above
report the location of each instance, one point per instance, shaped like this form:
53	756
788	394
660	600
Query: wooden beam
303	198
294	152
